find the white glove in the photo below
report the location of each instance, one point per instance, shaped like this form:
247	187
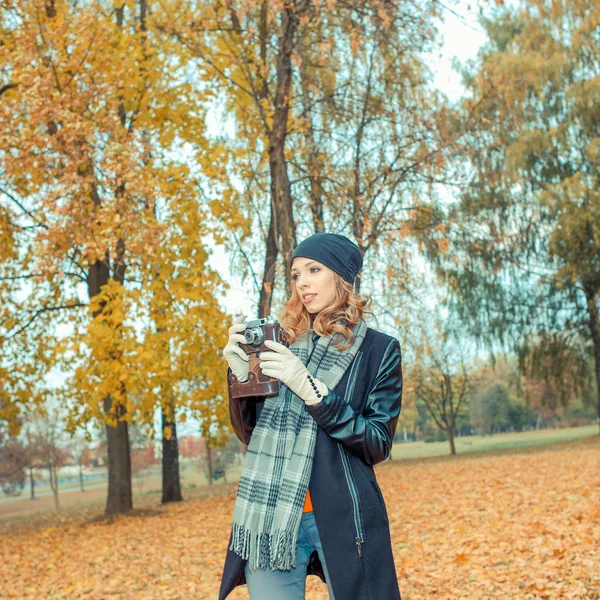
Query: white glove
284	365
236	358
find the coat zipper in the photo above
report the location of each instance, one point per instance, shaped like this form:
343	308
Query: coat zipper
360	536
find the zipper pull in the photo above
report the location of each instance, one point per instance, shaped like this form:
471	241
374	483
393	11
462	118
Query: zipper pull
359	546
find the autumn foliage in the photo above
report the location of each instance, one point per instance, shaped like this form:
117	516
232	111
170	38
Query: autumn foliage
522	526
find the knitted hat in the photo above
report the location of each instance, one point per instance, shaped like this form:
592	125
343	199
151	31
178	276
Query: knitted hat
334	251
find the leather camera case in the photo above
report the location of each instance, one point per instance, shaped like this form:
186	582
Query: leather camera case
258	384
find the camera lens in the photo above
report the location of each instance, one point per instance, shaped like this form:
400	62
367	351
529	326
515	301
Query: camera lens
254	336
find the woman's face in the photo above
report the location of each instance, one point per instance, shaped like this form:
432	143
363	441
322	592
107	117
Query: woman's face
315	284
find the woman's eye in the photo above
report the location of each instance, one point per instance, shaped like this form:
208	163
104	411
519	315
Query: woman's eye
295	275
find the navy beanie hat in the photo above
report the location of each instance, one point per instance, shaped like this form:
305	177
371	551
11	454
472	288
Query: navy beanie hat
334	251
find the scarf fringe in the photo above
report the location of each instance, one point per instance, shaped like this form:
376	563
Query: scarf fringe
274	551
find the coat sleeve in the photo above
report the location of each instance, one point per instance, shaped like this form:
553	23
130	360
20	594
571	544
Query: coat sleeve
367	434
243	413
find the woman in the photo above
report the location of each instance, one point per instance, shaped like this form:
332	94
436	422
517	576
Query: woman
308	501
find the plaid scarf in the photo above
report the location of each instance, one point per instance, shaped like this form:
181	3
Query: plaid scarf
278	463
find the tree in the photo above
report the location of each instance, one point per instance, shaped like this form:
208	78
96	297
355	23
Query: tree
12	463
520	416
171	484
34	451
371	132
525	233
490	387
215	436
81	453
93	210
45	448
258	93
490	410
439	378
333	124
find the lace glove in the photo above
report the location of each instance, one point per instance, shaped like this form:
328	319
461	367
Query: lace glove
284	365
236	358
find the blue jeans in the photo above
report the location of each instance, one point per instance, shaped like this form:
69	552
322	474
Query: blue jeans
289	585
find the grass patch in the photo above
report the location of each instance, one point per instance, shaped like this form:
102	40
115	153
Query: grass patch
495	443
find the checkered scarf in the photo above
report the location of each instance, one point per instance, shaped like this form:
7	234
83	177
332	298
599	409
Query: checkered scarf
278	463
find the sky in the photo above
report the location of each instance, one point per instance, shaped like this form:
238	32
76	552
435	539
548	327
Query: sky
463	36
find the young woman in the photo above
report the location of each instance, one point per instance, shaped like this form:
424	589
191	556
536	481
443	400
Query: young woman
308	501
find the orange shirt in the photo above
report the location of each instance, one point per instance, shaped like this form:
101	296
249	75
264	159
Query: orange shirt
307	502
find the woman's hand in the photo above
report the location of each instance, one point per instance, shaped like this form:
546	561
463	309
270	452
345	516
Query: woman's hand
236	358
284	365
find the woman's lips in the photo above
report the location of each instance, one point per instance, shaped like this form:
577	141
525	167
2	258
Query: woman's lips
307	300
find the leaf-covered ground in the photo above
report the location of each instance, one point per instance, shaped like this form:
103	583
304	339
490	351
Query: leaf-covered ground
511	526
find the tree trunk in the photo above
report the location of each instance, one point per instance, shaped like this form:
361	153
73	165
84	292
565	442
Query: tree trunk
32	483
120	497
266	292
357	282
171	486
451	441
590	296
280	184
316	193
81	477
54	483
209	462
56	502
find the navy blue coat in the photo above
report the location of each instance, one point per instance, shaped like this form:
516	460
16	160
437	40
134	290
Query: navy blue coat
356	424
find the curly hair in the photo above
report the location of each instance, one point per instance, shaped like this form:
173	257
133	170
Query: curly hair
340	317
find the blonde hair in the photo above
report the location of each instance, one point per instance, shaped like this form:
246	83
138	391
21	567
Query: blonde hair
340	317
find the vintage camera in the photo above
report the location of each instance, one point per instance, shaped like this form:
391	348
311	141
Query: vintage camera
255	334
